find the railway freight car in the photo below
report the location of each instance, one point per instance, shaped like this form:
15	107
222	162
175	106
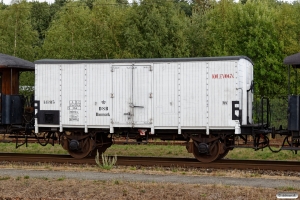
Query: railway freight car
203	101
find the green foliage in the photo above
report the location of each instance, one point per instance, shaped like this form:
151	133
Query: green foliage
107	162
185	6
156	29
40	18
17	37
108	24
69	36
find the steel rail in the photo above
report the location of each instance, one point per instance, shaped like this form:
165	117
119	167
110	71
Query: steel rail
158	161
163	143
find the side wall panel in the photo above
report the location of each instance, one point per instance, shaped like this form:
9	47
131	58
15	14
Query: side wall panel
193	95
165	95
47	86
222	78
99	88
73	94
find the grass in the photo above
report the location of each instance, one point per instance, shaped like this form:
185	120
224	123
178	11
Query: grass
61	178
151	150
2	178
265	154
107	162
32	148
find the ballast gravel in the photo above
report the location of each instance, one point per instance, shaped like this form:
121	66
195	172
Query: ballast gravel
100	176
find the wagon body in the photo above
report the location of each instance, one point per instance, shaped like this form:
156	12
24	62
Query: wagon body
173	94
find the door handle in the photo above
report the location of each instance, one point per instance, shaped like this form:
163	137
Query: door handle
133	106
138	106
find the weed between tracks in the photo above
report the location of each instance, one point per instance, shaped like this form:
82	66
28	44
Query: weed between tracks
107	162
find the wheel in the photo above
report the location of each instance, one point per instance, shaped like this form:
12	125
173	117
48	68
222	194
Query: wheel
102	143
80	149
213	155
100	150
223	154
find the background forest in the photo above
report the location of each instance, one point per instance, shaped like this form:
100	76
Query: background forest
264	30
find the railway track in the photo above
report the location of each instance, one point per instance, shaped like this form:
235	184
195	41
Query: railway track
275	143
158	161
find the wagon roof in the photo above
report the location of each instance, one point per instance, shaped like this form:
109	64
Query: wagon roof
7	61
293	60
141	60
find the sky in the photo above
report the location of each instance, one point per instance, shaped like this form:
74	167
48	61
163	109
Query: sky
7	2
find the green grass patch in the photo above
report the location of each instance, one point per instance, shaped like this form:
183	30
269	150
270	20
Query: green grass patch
32	148
150	150
3	178
61	178
265	154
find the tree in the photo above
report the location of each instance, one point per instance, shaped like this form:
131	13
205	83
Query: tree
40	18
261	42
156	29
108	23
185	6
17	36
69	35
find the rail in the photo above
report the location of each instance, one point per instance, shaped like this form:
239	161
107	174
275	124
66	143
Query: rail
158	161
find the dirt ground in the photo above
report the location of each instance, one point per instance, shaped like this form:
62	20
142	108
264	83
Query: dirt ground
43	188
26	187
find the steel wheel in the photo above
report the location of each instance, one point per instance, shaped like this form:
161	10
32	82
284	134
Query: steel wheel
85	146
102	142
223	154
214	150
101	150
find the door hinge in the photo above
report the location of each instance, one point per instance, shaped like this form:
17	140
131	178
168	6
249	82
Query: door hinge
112	95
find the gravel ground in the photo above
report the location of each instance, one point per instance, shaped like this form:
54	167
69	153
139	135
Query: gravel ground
100	176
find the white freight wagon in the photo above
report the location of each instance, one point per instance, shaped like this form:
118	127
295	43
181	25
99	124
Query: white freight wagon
186	96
